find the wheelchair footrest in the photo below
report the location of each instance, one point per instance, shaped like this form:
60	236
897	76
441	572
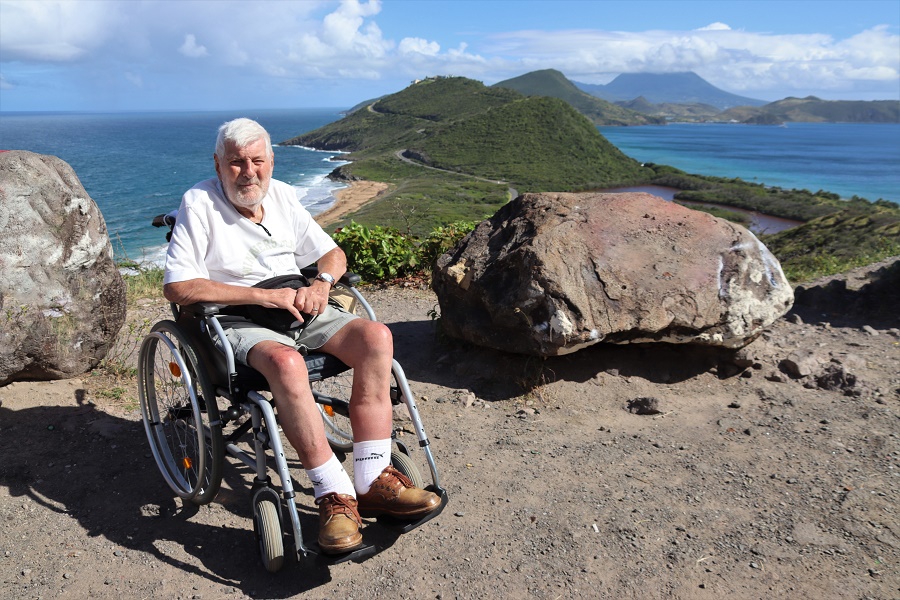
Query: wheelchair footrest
320	558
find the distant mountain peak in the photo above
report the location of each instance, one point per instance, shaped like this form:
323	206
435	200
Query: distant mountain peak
659	88
554	84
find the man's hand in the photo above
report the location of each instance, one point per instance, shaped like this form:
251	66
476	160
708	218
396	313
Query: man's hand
313	299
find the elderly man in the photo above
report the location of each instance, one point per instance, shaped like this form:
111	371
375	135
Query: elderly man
243	227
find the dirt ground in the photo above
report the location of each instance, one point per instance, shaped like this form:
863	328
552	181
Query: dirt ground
617	472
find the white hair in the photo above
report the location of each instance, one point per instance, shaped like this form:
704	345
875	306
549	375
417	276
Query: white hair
241	132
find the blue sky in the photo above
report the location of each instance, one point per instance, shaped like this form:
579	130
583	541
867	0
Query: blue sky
108	55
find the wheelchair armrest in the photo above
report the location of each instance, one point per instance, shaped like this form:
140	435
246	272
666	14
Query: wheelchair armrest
203	309
349	279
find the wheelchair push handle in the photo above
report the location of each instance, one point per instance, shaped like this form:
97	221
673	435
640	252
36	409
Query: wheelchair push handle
165	220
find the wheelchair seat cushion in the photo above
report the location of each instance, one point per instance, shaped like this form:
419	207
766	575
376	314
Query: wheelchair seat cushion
279	319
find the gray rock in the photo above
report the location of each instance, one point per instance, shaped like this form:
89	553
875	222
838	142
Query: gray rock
801	363
62	299
552	273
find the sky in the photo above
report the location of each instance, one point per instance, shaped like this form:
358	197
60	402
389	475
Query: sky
138	55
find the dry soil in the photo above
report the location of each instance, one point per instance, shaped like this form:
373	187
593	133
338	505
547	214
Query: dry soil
617	472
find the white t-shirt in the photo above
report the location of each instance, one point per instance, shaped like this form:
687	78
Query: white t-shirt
212	240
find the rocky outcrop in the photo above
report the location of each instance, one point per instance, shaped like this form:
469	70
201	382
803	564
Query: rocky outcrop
552	273
62	299
869	293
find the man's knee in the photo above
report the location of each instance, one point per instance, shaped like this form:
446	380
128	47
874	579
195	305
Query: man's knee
378	337
278	360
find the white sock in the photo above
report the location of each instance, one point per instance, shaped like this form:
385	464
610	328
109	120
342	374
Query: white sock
330	477
369	460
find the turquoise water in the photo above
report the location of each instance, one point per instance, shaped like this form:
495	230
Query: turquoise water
849	159
137	165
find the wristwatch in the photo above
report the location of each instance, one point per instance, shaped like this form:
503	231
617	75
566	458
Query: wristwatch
326	278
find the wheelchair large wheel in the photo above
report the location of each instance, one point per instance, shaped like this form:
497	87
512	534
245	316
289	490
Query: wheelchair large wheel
336	420
180	414
337	425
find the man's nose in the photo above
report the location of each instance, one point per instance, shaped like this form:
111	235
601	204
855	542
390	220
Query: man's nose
248	169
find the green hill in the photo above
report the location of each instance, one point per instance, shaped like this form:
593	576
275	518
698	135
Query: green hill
553	84
539	144
466	147
815	110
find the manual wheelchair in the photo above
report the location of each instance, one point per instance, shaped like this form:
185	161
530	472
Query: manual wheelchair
199	405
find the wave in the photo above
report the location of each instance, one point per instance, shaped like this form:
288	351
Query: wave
311	149
317	193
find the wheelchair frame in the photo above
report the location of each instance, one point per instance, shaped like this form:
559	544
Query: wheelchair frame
188	439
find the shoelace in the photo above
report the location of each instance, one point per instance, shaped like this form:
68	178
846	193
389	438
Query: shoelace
338	504
403	478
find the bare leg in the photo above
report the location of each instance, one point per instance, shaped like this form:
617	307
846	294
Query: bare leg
368	347
285	370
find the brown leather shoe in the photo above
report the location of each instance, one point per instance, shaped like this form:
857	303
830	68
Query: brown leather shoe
339	523
394	494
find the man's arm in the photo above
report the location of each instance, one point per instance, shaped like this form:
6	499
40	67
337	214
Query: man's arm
204	290
311	299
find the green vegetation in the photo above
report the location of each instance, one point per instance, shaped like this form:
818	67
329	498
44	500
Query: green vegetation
553	84
539	144
141	280
858	235
466	148
378	253
383	253
422	199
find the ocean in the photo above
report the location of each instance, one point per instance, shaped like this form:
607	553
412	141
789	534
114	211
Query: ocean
137	165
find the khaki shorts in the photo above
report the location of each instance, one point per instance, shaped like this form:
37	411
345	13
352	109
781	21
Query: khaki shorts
243	333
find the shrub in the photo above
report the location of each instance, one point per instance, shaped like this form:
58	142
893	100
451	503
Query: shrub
442	239
378	253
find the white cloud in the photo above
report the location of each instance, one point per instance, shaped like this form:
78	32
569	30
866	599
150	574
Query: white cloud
4	84
53	30
191	49
418	46
715	27
732	59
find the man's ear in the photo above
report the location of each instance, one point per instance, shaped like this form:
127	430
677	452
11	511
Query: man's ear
216	161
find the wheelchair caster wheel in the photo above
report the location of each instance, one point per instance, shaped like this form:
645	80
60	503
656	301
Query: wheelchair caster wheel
405	465
267	526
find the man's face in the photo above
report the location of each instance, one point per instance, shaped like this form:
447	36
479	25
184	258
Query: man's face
245	173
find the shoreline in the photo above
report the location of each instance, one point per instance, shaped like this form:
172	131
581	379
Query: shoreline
350	199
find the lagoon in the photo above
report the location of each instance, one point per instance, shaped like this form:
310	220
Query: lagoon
849	159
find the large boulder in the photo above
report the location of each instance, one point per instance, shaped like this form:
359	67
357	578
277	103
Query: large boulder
552	273
62	298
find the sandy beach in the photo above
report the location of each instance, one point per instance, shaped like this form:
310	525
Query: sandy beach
351	199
